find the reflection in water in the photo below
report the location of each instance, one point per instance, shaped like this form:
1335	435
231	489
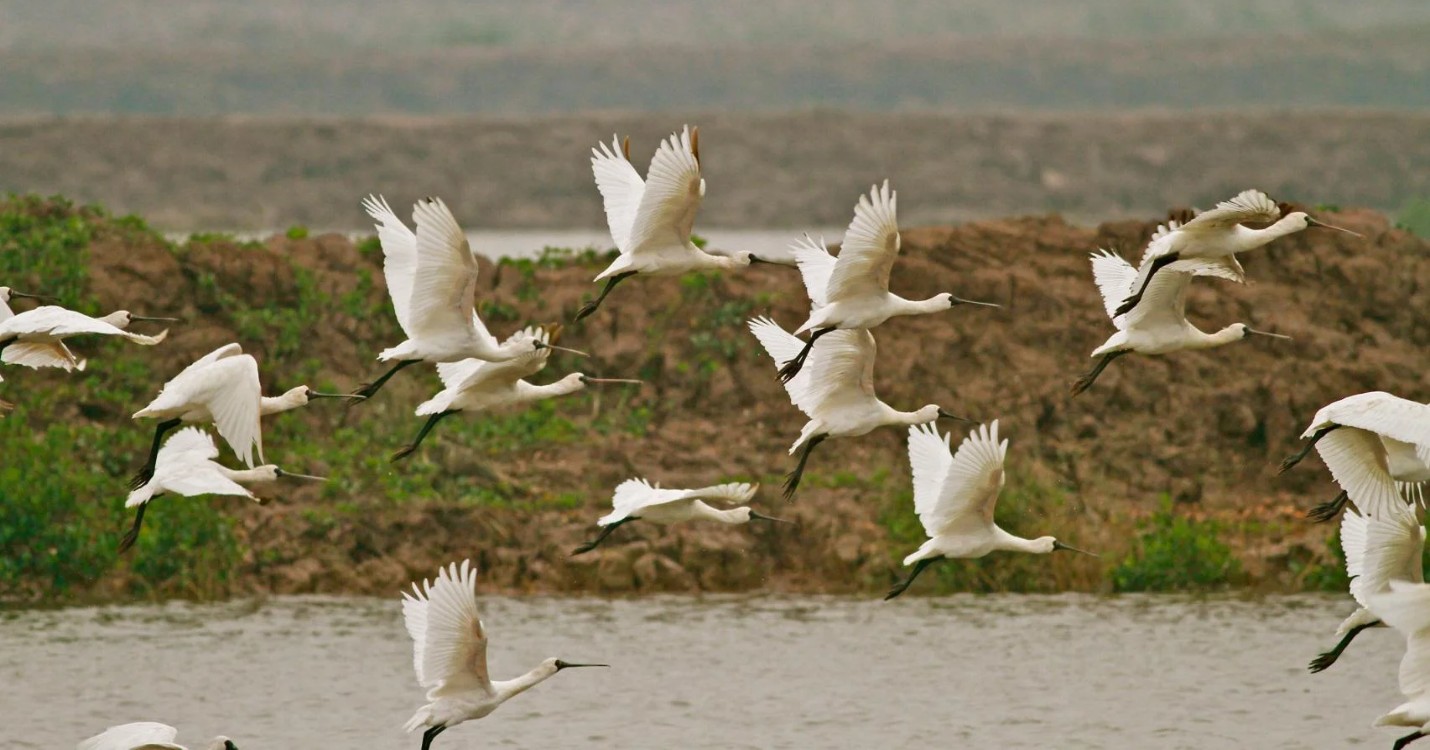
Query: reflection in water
1001	671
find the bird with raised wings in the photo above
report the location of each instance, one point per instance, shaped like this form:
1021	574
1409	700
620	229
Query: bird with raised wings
220	387
955	495
432	278
186	466
639	500
1377	446
1405	606
852	290
1159	325
651	219
145	735
835	389
36	338
1217	236
476	386
449	654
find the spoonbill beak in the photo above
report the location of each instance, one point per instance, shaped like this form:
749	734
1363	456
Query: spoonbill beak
1324	225
349	396
1268	333
553	347
757	259
615	380
560	665
27	295
758	517
154	320
1057	545
962	301
948	415
309	477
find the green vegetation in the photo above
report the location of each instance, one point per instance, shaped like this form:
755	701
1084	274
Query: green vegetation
1414	217
1176	553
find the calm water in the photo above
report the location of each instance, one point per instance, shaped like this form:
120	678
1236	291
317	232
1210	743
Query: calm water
757	672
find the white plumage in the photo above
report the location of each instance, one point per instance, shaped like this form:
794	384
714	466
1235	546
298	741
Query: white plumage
145	735
637	499
35	338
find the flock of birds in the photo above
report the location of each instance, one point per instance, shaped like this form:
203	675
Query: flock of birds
1377	446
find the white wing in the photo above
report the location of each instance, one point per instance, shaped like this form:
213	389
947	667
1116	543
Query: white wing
1228	268
1356	459
1353	547
42	354
1163	304
1393	546
58	322
815	267
1382	413
1114	277
621	189
673	189
131	736
470	372
446	282
228	387
971	486
870	246
399	256
1406	607
732	492
449	643
1249	205
929	458
840	367
634	494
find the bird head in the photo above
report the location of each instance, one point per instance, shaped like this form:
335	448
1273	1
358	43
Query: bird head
1301	220
277	473
1053	545
222	743
122	319
934	411
750	515
7	294
303	394
1243	330
952	300
556	665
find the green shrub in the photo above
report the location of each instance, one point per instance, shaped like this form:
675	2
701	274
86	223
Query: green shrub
1176	553
1414	217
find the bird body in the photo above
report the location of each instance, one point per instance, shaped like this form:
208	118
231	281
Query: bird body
35	338
449	654
639	500
145	735
1406	607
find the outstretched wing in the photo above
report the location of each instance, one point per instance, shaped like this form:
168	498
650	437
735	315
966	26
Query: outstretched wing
816	265
446	281
870	246
399	256
621	189
470	372
39	354
59	322
970	488
1382	413
732	492
634	494
929	458
1248	205
840	366
229	389
673	189
1406	607
139	734
1393	544
1114	277
449	644
1357	461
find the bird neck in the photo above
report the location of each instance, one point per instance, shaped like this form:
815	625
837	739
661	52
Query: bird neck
275	404
1013	543
894	416
732	516
508	689
918	307
1209	340
1252	238
116	319
248	476
565	386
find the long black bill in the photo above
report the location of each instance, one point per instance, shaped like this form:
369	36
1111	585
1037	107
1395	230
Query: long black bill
560	665
962	301
1057	545
1324	225
151	319
758	517
349	396
1268	334
37	297
949	415
903	585
292	475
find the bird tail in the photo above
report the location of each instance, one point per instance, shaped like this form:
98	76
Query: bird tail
401	351
437	404
925	550
144	494
1116	341
422	718
811	428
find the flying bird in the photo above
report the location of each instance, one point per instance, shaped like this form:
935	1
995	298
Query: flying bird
432	279
955	495
186	466
221	387
35	338
1217	236
852	291
637	499
1398	543
145	735
1380	450
651	219
1406	607
473	385
835	389
1159	325
449	654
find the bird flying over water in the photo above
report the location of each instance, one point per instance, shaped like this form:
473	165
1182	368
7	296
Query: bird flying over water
145	735
852	291
651	219
638	499
449	654
955	495
35	338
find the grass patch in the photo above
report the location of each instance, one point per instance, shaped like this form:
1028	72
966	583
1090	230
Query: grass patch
1176	553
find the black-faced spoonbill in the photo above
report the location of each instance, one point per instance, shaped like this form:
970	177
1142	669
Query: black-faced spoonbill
954	497
1405	607
145	735
35	338
449	654
651	219
638	500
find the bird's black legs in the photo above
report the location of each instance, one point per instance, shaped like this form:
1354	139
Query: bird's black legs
1157	264
147	471
1296	457
1328	511
903	585
792	479
792	367
588	546
132	536
422	434
1406	740
1322	662
368	390
1084	382
430	735
591	306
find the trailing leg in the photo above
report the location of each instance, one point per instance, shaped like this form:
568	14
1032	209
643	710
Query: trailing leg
1331	510
792	367
133	534
903	585
430	735
1296	457
1086	381
605	532
1322	662
368	390
792	479
591	306
422	434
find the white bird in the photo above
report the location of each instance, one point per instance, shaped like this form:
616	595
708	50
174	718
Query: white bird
1406	607
1377	447
651	219
637	499
835	389
221	387
449	654
432	279
7	294
186	466
852	291
145	735
955	496
473	385
35	338
1159	325
1398	544
1217	236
